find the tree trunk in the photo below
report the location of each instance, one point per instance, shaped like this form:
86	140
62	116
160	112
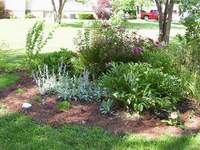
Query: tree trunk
58	12
165	19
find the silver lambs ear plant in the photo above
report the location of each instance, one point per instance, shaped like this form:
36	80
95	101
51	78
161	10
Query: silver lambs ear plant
47	81
78	88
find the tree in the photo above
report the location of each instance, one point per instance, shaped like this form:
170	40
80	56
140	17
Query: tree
2	9
58	7
165	9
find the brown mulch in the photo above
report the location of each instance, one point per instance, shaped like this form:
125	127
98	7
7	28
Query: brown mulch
88	114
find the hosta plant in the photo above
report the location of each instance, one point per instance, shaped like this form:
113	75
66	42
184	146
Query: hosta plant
106	106
142	88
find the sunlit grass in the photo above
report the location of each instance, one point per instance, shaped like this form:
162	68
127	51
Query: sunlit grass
19	132
7	80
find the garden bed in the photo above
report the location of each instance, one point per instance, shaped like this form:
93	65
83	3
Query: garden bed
88	114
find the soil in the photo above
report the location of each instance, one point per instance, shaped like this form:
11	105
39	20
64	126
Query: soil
88	114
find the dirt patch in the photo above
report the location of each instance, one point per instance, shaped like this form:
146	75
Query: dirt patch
88	114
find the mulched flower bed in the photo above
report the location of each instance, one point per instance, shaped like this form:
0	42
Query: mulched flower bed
88	114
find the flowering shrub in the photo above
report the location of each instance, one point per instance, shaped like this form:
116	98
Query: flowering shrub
140	88
100	46
138	51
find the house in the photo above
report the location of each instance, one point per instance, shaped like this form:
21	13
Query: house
43	8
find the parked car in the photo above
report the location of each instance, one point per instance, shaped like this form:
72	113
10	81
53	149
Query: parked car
153	14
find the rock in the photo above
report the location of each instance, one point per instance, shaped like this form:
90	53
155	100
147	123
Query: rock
83	122
26	106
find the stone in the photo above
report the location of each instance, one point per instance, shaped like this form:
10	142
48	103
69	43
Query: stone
26	106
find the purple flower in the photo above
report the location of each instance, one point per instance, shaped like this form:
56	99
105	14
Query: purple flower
137	50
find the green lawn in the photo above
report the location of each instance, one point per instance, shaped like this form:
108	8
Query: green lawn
13	37
7	80
11	60
18	132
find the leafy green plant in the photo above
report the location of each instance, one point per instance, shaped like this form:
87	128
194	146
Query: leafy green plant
141	87
54	59
63	106
20	91
85	16
174	120
36	99
106	106
159	59
35	41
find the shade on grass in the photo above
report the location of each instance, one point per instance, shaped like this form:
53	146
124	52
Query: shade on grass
19	132
7	80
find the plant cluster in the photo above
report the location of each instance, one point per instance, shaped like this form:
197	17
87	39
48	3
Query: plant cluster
79	88
141	87
35	41
100	46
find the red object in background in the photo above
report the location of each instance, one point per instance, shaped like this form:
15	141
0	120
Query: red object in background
153	14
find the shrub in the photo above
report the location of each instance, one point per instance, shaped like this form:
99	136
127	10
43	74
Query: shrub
54	59
159	59
100	46
35	41
85	16
141	87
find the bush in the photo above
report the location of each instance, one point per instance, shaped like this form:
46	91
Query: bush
35	41
159	59
54	59
85	16
100	46
141	87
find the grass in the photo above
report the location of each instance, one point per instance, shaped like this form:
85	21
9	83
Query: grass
66	32
7	80
131	24
20	132
11	60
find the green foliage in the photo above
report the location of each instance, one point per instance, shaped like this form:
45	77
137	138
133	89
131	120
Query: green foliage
142	88
127	6
35	41
174	120
36	99
65	105
19	91
100	46
78	88
85	16
106	106
54	59
159	59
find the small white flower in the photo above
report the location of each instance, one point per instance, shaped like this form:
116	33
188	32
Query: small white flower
174	115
